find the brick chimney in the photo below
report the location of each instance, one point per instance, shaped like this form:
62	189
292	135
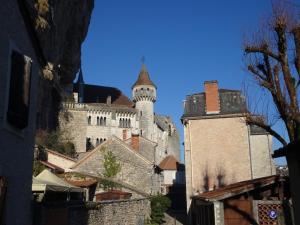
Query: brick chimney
212	97
135	141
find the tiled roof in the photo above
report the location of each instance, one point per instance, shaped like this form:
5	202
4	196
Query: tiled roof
52	166
169	163
238	188
82	183
99	94
143	78
61	155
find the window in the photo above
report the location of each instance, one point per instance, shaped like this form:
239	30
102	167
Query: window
104	121
141	113
101	121
19	91
89	144
98	121
89	120
97	141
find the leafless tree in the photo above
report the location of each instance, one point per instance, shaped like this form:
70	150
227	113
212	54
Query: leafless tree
273	59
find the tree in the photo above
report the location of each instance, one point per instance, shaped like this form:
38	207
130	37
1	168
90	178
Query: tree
273	59
159	205
111	168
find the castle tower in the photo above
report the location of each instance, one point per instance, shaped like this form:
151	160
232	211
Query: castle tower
144	96
80	83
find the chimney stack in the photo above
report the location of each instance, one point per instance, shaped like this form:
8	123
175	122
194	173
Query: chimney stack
135	141
212	97
108	100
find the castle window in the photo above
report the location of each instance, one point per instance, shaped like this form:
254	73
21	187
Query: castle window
89	120
101	140
141	113
104	121
101	121
141	132
97	141
89	145
98	121
129	123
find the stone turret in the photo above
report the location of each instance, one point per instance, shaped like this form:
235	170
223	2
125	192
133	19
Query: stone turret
144	96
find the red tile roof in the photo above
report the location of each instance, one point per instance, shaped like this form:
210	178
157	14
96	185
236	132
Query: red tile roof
169	163
52	166
82	183
143	78
238	188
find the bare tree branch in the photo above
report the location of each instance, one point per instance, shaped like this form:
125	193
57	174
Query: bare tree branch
258	121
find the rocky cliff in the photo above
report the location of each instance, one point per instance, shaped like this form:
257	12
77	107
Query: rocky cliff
61	27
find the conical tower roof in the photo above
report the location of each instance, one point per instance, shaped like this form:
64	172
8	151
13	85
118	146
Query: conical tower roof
80	77
144	78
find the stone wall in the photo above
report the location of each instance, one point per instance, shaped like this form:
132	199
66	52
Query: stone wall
261	150
117	212
135	170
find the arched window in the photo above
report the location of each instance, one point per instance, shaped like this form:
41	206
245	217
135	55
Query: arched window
120	123
97	141
129	123
89	120
101	140
98	121
104	139
141	113
89	144
104	122
126	123
101	121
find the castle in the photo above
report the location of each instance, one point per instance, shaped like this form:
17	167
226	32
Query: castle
99	112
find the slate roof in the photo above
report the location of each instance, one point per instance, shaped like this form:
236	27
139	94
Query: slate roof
231	102
169	163
237	188
99	94
144	78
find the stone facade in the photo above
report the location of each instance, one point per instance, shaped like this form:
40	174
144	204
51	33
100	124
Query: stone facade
220	148
136	170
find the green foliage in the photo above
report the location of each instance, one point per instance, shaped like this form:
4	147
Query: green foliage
159	205
37	168
53	141
111	168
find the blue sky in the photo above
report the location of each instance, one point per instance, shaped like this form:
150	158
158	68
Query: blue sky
184	42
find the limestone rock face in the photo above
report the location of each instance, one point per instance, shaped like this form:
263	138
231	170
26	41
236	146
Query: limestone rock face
62	27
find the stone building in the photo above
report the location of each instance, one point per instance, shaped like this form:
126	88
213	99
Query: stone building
136	170
220	148
99	112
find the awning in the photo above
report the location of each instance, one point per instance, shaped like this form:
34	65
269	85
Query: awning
47	181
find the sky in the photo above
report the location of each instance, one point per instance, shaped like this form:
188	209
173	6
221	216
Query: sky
184	44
